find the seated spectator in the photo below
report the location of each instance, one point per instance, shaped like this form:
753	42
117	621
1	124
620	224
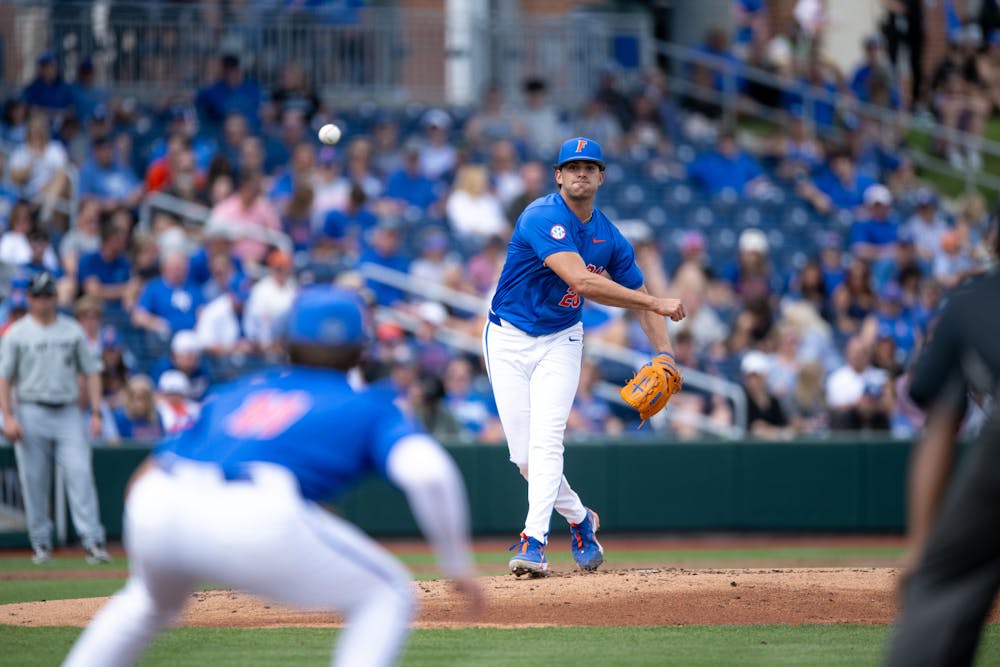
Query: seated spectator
765	416
534	179
350	225
88	311
186	182
751	275
88	95
117	365
251	216
474	212
840	187
796	149
185	356
170	302
48	92
543	127
359	167
505	173
727	167
872	81
177	412
384	249
431	354
954	263
853	390
926	226
298	174
219	328
813	93
484	267
591	414
891	320
425	401
854	299
229	93
408	186
38	166
437	155
81	239
494	120
431	266
217	239
296	221
810	286
960	99
600	124
473	408
294	91
875	233
138	419
805	405
831	259
105	274
108	179
269	302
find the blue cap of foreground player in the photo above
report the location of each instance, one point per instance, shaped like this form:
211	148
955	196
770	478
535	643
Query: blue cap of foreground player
580	148
327	315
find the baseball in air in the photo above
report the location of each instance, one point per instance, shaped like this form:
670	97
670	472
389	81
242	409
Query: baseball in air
329	134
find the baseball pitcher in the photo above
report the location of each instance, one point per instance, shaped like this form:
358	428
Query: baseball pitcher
564	250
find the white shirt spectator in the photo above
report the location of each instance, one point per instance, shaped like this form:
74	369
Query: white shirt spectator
43	167
15	249
845	386
265	310
218	326
177	412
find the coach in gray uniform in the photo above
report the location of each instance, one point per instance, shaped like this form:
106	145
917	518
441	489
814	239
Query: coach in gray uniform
42	354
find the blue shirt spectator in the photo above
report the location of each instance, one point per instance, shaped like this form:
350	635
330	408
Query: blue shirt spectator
354	221
87	95
108	180
840	185
725	168
872	82
48	91
168	303
230	93
384	250
409	185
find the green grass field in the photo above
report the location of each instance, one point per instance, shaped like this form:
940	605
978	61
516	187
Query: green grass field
818	645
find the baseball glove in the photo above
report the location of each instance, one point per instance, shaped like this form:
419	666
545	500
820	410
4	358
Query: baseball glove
651	388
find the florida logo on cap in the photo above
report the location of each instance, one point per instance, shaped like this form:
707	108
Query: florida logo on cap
580	148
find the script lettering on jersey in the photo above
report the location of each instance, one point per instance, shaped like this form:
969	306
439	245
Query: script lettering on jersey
571	299
267	413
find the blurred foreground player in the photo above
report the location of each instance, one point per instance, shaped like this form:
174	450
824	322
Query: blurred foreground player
234	500
954	528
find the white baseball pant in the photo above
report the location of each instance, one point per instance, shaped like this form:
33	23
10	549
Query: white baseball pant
190	525
534	380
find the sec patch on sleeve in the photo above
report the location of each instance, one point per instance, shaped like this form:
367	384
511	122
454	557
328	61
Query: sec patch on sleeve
558	232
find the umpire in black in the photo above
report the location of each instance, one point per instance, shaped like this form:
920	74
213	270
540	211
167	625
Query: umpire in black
954	569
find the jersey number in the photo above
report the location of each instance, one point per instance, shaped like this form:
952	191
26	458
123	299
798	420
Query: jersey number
265	414
571	299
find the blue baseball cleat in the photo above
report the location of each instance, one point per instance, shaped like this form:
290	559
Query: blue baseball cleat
587	551
530	558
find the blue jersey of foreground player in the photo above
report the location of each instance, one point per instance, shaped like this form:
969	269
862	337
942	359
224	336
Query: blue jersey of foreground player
534	298
308	420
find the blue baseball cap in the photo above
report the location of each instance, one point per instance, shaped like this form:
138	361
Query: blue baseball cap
327	315
580	148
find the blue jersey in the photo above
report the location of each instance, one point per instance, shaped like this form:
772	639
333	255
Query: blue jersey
534	298
307	420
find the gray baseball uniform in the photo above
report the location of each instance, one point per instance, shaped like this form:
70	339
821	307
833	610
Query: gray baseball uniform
42	363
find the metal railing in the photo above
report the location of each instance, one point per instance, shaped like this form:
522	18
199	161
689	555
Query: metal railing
386	55
731	104
595	349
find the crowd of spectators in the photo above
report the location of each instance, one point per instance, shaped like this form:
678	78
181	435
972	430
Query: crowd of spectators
811	261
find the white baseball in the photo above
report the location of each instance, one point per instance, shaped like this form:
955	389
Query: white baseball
329	134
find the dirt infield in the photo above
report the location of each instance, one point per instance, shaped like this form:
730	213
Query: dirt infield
616	597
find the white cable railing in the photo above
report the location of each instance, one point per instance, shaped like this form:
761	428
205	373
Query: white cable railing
595	349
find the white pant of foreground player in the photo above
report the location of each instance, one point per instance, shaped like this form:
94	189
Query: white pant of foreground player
190	526
534	380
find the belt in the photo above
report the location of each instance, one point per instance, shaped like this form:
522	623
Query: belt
47	404
494	318
170	464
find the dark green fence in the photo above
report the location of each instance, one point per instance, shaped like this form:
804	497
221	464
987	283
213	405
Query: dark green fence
805	487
